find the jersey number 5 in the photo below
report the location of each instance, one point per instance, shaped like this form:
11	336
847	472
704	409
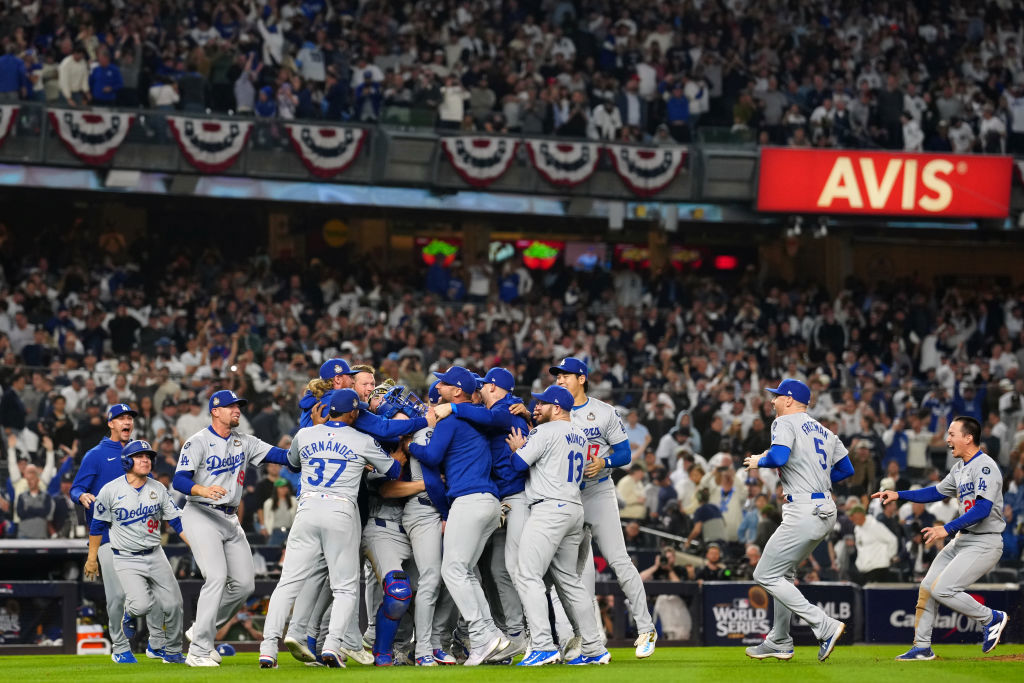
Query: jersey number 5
575	463
320	464
819	447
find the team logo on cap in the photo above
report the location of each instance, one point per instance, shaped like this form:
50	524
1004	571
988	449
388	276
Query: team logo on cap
144	445
564	361
216	401
355	403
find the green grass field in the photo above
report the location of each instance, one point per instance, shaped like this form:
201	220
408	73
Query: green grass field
850	663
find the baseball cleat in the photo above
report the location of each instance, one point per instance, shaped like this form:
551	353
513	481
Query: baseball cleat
917	654
360	656
173	658
426	660
829	643
315	664
994	630
268	662
478	657
383	660
504	650
645	644
572	649
188	633
332	659
214	655
443	658
541	657
299	650
583	660
128	625
124	658
154	654
311	645
765	651
196	660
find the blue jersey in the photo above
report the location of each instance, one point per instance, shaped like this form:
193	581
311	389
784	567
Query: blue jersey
497	423
463	455
100	466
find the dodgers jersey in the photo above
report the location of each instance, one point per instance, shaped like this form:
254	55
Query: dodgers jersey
218	461
332	457
978	478
134	515
602	427
814	450
555	452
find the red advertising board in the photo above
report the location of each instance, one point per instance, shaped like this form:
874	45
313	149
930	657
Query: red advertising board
884	183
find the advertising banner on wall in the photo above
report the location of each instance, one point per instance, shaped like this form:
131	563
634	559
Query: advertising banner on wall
889	614
884	183
740	613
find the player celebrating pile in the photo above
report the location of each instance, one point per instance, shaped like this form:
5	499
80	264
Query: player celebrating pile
810	458
978	484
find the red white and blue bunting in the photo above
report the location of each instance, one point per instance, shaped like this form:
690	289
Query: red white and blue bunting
326	152
209	145
647	170
8	115
92	136
479	160
566	164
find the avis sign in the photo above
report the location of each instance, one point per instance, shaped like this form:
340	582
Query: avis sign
884	183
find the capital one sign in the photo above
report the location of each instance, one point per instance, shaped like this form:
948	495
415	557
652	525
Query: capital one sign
884	183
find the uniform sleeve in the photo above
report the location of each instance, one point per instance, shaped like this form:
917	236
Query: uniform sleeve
191	457
84	479
536	444
614	430
170	510
101	508
381	428
987	481
381	461
947	487
839	452
433	452
783	434
293	454
256	449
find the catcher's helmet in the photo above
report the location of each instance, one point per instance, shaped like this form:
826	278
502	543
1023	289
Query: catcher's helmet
137	447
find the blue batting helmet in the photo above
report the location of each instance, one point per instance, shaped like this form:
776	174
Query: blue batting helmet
133	448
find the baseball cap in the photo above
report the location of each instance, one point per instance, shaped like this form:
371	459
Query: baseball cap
119	409
344	401
433	395
569	366
224	397
795	388
136	447
557	395
334	367
501	378
458	376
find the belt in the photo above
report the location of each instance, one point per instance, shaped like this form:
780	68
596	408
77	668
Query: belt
804	497
147	551
227	509
980	533
329	496
386	524
422	500
604	478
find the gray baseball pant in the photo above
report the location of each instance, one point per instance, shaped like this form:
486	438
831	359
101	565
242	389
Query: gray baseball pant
151	589
471	521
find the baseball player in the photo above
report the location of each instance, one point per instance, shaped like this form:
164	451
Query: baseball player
554	456
335	374
496	421
211	474
128	510
608	448
978	485
332	457
462	453
101	465
810	459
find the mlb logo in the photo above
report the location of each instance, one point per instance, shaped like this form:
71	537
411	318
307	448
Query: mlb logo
741	603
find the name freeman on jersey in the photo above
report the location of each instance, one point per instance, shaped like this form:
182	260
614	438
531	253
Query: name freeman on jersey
137	515
808	427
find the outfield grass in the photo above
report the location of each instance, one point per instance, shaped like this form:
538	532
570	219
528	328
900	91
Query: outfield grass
719	664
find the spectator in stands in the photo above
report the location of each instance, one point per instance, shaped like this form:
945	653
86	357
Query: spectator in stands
14	81
708	523
12	409
751	556
639	436
69	519
877	547
747	532
73	77
663	569
105	81
714	568
278	513
35	507
631	491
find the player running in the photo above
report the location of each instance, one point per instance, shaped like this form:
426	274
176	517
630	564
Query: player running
128	511
977	483
551	538
810	459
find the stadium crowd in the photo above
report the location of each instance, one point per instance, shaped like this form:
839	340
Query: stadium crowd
926	75
685	357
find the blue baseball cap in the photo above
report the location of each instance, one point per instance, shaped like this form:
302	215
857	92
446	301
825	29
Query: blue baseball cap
135	447
119	409
478	381
433	395
345	401
224	398
557	395
795	388
501	378
569	366
458	376
335	367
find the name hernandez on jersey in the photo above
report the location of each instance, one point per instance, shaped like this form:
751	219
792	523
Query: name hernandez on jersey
332	456
218	461
814	450
603	428
979	478
134	515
